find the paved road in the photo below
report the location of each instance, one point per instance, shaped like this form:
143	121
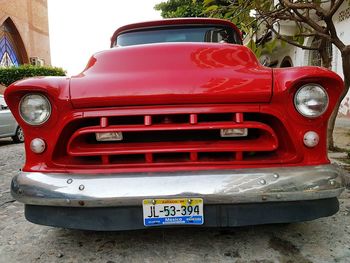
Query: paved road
323	240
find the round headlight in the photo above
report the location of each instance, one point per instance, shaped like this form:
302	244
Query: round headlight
311	100
35	109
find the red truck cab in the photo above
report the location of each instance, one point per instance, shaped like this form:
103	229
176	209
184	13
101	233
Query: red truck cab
177	124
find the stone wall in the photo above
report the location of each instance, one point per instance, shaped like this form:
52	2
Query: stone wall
31	20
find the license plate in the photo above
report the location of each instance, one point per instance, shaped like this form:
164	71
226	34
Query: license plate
183	211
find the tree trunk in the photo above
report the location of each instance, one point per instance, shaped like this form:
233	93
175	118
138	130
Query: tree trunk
345	53
326	60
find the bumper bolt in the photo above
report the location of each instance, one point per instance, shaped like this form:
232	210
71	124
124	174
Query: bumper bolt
153	202
276	176
81	187
278	196
69	181
262	181
189	201
331	182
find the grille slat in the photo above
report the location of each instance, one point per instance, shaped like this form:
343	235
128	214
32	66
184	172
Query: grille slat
166	147
171	127
175	139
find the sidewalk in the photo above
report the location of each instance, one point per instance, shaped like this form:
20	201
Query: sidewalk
340	158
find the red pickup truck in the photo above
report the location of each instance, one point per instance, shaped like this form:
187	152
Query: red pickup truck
177	124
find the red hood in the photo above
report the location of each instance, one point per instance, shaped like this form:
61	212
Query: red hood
177	73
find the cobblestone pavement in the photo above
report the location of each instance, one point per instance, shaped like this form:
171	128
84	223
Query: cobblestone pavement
323	240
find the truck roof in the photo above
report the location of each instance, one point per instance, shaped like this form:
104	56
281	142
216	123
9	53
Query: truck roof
175	21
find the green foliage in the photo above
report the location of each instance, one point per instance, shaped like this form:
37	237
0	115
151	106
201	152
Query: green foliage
271	45
180	8
256	49
192	8
211	8
12	74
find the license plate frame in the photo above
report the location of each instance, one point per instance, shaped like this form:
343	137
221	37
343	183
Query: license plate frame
173	211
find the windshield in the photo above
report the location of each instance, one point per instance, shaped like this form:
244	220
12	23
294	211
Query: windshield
215	34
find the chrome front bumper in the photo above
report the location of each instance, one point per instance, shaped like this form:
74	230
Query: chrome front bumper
215	187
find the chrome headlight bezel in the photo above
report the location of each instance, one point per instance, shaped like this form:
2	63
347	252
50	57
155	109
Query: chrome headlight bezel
46	105
298	105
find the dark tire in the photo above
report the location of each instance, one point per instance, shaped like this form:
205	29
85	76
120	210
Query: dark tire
19	137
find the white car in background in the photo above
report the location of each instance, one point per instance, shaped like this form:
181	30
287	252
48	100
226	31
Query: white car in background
8	125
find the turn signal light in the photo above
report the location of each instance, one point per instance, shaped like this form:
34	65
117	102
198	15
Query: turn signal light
37	145
311	139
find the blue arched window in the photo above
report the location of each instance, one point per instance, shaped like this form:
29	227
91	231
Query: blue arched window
8	52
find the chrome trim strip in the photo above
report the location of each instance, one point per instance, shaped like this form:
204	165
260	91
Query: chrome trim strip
215	187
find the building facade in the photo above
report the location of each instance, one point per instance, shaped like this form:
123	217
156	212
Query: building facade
293	56
24	33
